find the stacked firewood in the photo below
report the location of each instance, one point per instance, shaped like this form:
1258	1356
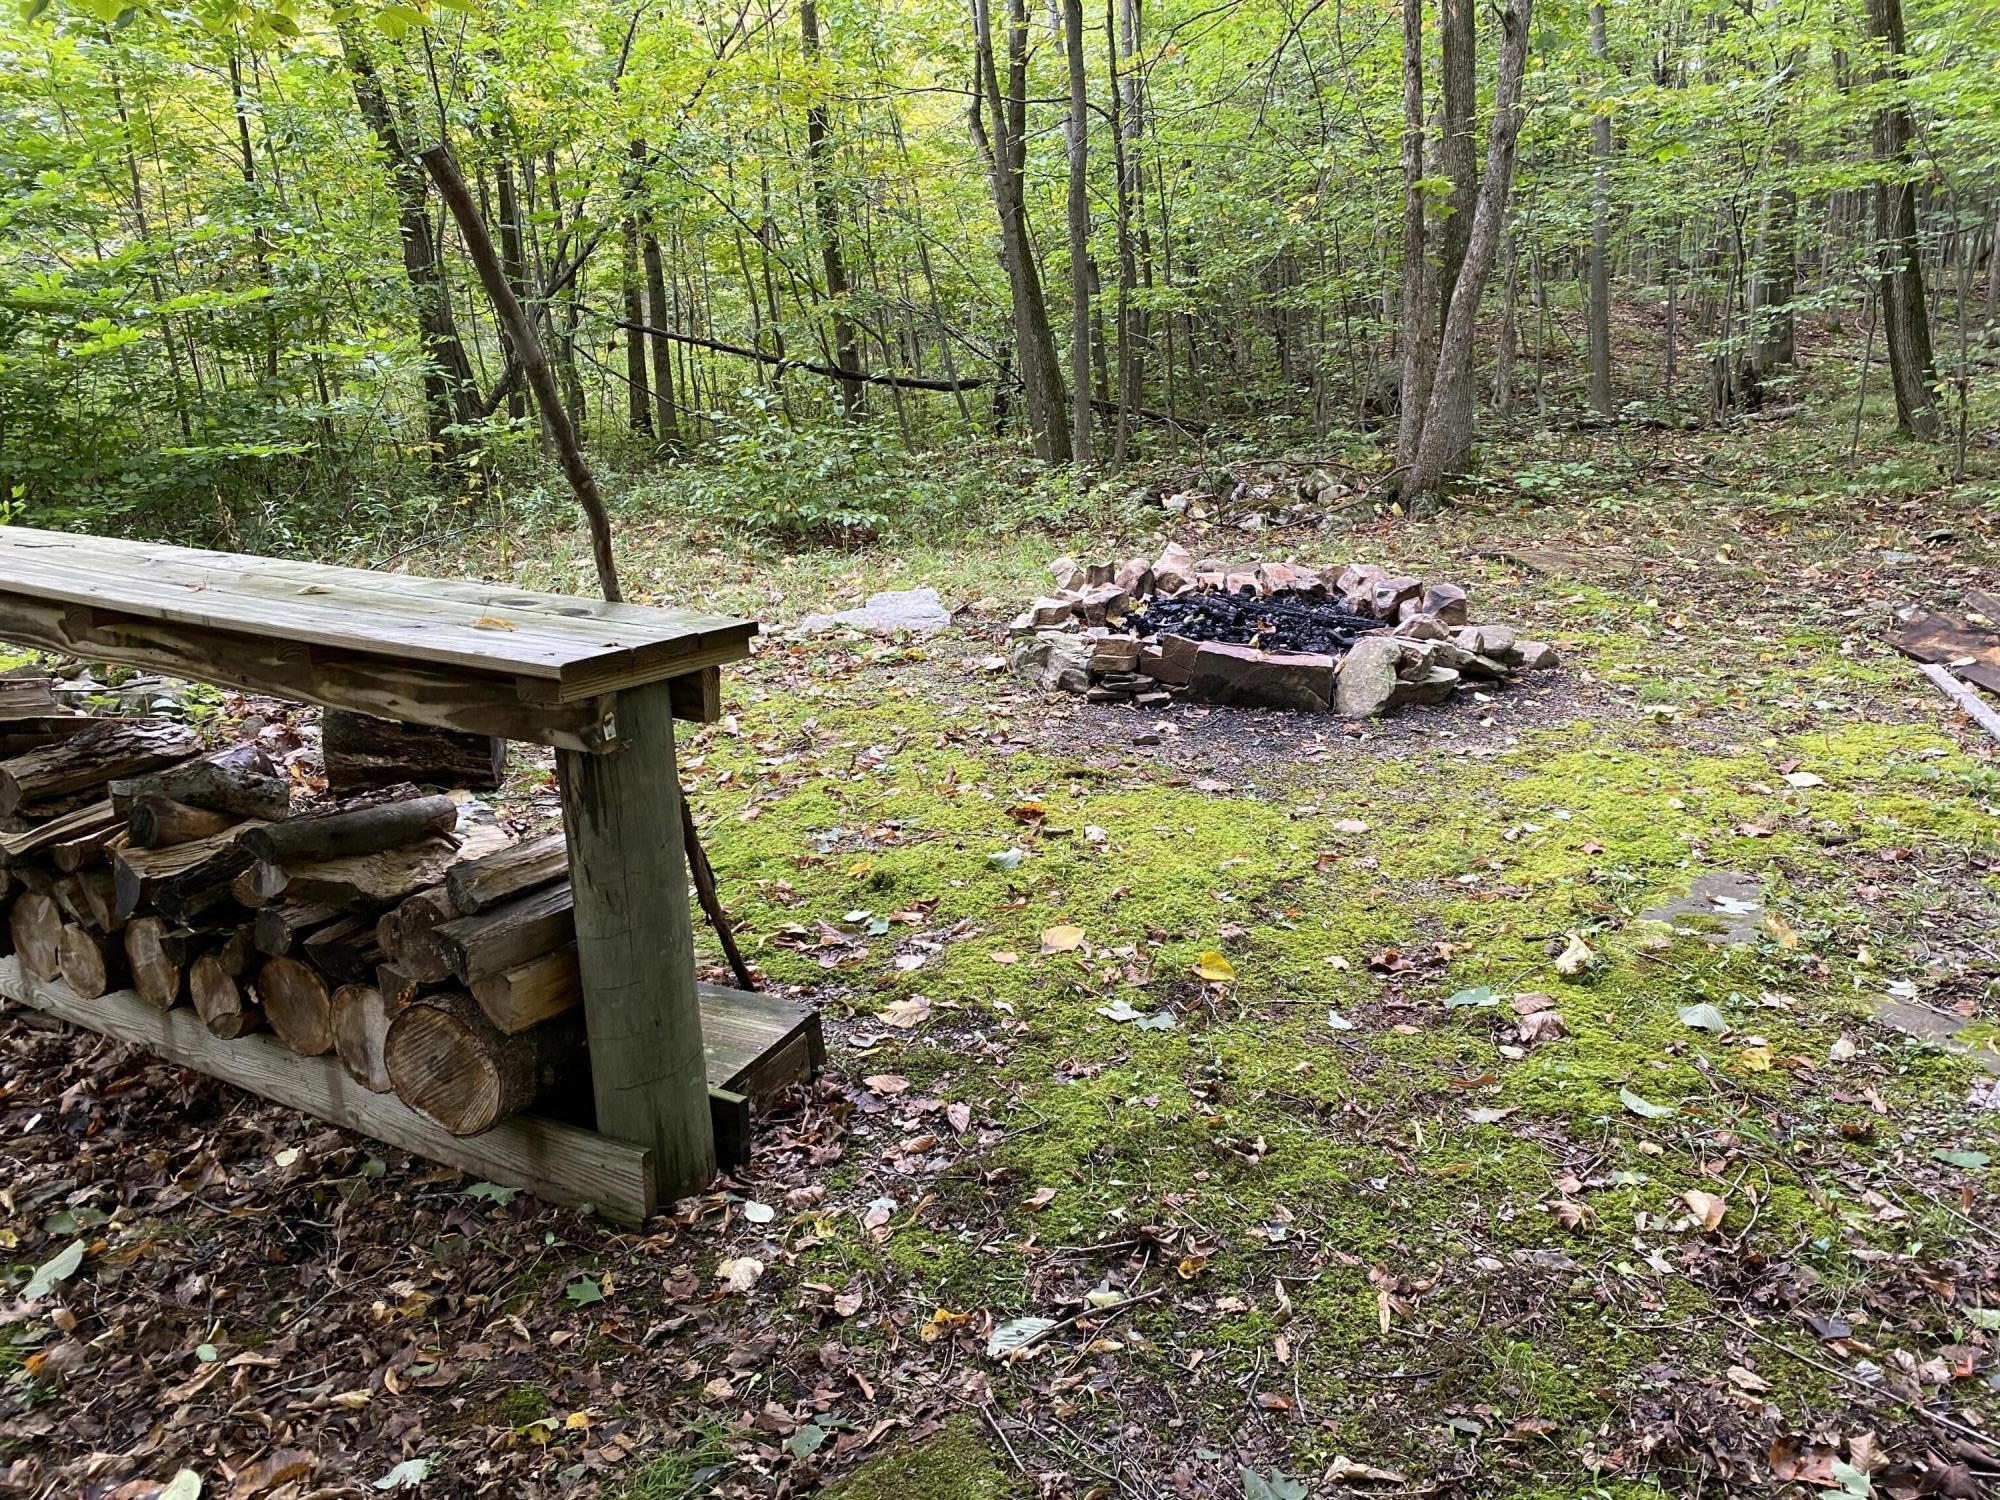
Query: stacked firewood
431	954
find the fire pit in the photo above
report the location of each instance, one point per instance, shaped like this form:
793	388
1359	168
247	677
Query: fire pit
1356	639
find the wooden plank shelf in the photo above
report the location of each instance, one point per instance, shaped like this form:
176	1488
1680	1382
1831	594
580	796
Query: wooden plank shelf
451	652
755	1044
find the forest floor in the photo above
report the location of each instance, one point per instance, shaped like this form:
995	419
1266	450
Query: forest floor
1345	1214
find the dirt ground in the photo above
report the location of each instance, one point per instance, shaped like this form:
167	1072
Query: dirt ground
1275	1109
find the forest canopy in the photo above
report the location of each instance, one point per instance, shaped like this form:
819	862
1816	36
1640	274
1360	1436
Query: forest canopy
804	242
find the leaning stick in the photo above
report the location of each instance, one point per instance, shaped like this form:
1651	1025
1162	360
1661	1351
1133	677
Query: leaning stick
1975	707
528	349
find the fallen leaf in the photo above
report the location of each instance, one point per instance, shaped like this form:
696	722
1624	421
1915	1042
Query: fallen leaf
1708	1208
1644	1108
1575	956
1211	966
739	1273
1062	938
59	1267
1013	1336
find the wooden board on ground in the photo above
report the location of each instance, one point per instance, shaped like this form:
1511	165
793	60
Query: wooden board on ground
751	1040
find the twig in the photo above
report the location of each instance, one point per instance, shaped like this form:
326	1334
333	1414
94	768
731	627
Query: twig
1935	1418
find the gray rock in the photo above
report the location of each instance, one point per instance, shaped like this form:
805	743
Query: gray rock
1367	677
1535	656
1030	658
1068	666
917	610
1434	687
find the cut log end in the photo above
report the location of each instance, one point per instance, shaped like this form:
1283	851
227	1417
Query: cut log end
449	1062
361	1032
36	925
156	954
90	962
297	1004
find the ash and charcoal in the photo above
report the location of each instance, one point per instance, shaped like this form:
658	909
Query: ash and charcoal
1293	621
1360	640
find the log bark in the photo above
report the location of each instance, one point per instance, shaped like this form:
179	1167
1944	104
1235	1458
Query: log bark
447	1061
278	929
109	748
90	962
181	881
160	822
531	993
360	1031
478	885
92	824
351	831
364	752
239	780
376	880
345	951
157	956
508	936
220	1000
298	1005
36	925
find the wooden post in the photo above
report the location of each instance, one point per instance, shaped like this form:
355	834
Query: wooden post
635	942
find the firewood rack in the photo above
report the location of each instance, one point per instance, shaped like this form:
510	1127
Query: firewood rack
675	1065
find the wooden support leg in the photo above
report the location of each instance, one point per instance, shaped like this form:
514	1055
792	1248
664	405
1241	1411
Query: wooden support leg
635	944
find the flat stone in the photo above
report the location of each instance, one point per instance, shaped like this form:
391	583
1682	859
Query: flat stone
1241	581
1048	610
1113	653
1171	661
1099	693
920	611
1068	573
1389	594
1283	577
1496	641
1367	677
1535	656
1244	677
1067	668
1434	687
1355	584
1418	627
1151	700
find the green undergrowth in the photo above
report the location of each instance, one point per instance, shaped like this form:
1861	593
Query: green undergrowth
1355	1108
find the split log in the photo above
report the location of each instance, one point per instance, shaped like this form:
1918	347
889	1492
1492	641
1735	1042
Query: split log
239	780
183	880
449	1062
85	850
36	924
407	935
157	955
363	752
95	821
480	884
531	993
508	936
90	962
360	1031
109	748
351	831
278	929
160	822
90	897
298	1005
220	1000
345	951
381	878
397	988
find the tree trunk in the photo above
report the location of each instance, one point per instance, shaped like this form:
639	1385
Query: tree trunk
1906	324
826	207
1599	330
1077	217
1419	359
1456	155
1005	153
1445	442
638	398
666	419
450	397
